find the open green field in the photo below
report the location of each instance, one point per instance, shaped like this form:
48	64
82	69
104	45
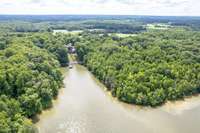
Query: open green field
74	32
124	35
158	26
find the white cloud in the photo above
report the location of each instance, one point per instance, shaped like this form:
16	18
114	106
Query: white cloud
129	7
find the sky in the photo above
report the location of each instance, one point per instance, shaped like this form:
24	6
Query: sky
102	7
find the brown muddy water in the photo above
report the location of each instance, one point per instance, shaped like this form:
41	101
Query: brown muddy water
83	106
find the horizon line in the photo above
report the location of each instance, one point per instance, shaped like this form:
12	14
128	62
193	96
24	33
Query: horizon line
98	15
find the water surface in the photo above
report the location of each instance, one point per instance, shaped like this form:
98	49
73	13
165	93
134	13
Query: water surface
83	106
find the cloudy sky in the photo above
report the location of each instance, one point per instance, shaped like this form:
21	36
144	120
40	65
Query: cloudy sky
117	7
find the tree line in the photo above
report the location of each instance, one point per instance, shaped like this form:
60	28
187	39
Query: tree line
148	69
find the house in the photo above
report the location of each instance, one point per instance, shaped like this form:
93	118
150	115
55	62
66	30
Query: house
71	49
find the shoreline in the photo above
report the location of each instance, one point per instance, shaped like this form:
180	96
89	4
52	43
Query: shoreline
171	106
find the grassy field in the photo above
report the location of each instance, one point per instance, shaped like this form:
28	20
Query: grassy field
74	32
123	35
158	26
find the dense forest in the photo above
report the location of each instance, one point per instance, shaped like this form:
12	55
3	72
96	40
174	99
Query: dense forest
147	69
30	77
